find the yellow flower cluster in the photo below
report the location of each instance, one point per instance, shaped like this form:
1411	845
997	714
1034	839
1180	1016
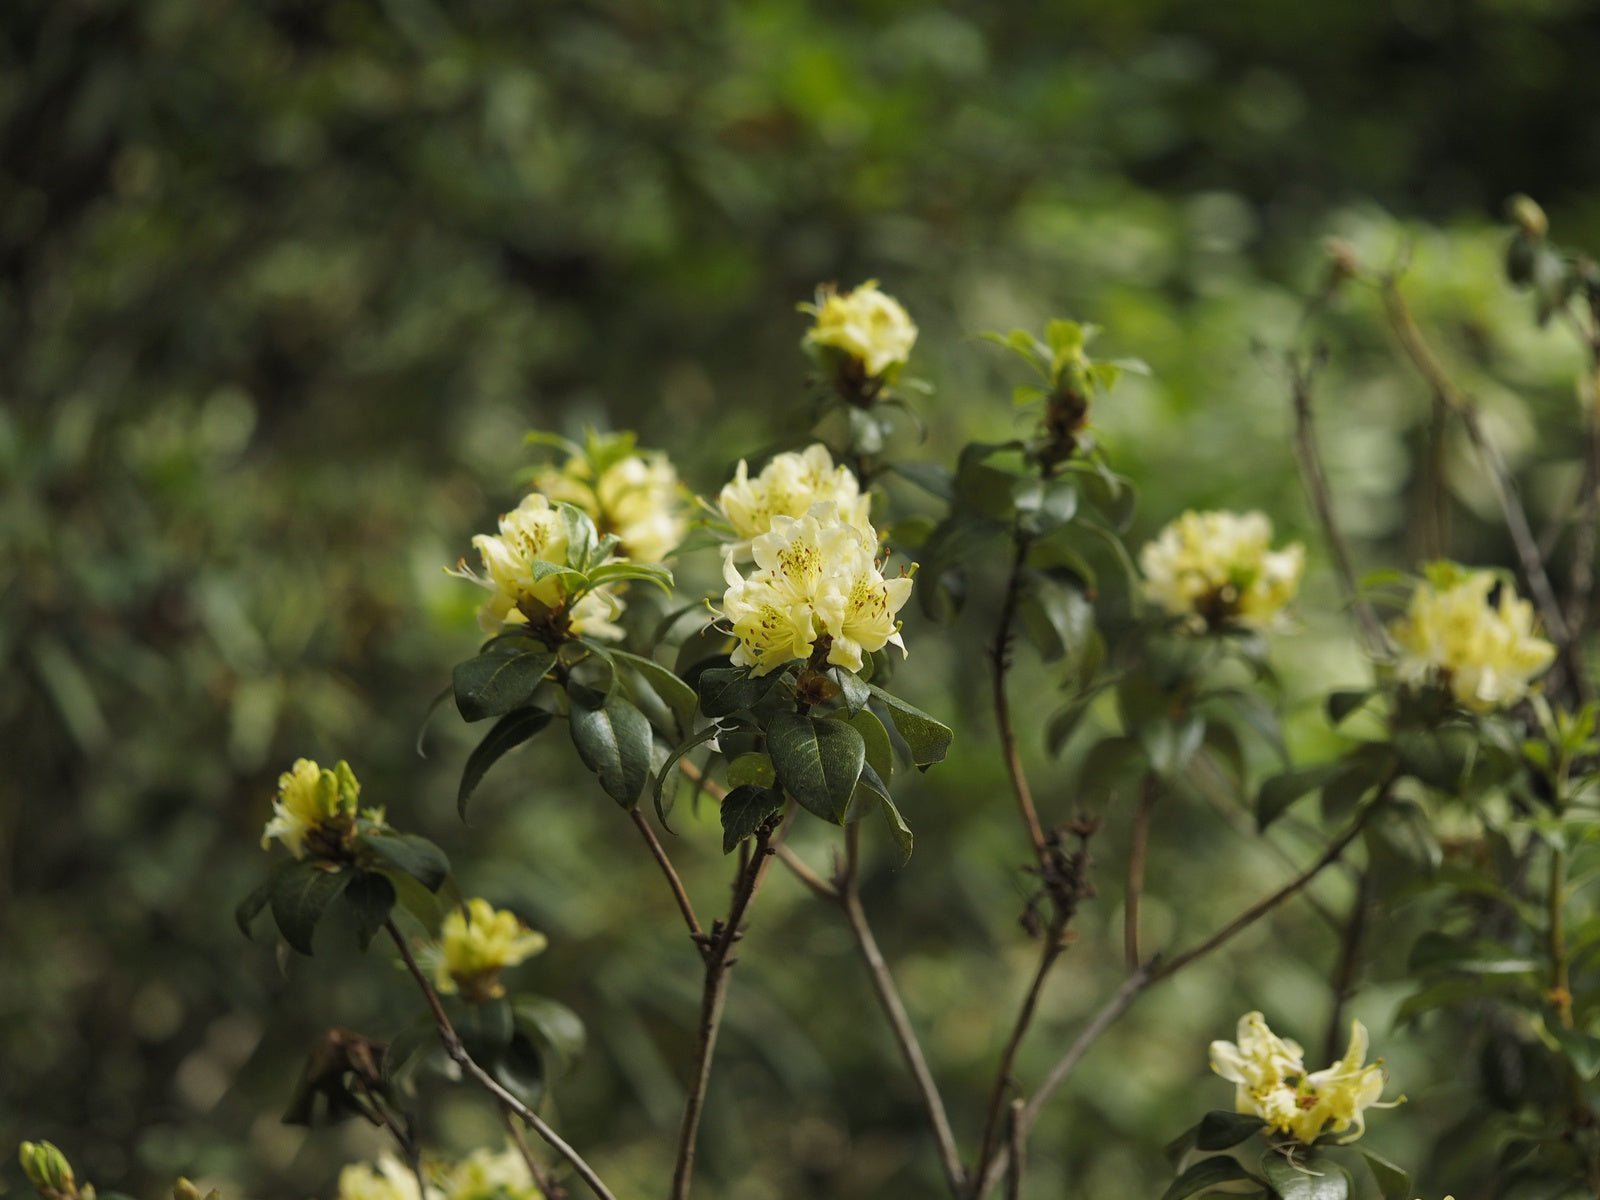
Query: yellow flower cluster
1219	568
637	497
864	325
1485	653
815	576
1272	1083
311	799
476	944
535	532
482	1175
791	485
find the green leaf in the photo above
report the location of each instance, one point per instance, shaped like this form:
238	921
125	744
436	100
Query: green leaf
818	761
413	855
1582	1050
755	768
501	679
622	572
927	737
933	478
1279	792
250	907
1170	743
553	1028
1222	1130
899	831
1316	1178
614	742
677	694
1393	1182
696	739
372	898
507	733
1342	704
880	751
427	908
743	811
727	690
1207	1173
300	897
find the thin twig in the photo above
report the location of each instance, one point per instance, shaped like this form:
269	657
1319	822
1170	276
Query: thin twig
469	1066
548	1187
1137	850
659	853
1316	483
1000	662
814	883
714	996
1516	518
1018	1142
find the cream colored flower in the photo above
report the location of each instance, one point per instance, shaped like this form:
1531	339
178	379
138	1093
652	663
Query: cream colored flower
312	799
476	944
390	1179
791	485
484	1175
523	592
814	576
1272	1083
1219	568
637	497
1485	654
864	325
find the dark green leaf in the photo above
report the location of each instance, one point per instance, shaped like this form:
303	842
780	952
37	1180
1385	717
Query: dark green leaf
300	897
501	679
677	694
927	737
507	733
932	478
1222	1130
727	690
372	898
818	761
554	1027
416	856
743	811
1205	1174
899	831
1393	1182
1314	1178
614	743
1280	791
880	752
696	739
1582	1050
250	907
1342	704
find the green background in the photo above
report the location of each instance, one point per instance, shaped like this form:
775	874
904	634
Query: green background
281	284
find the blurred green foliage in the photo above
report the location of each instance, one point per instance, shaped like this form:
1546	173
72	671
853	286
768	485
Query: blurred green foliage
282	283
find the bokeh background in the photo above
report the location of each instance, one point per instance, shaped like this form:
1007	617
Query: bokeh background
281	285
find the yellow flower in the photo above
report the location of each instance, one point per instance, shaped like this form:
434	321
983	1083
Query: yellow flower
814	575
1272	1083
312	799
1219	568
1485	654
484	1175
865	325
637	497
389	1180
791	485
475	945
535	532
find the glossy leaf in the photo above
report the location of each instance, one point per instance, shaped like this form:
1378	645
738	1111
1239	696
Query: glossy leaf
371	897
507	733
1204	1175
416	856
927	737
743	811
502	678
300	897
818	761
614	742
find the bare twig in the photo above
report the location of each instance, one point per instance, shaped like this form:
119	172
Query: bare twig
548	1188
1137	850
1000	661
659	853
1018	1143
719	945
469	1066
814	883
1316	483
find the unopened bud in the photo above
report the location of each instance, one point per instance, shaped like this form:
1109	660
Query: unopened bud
1527	216
185	1190
47	1169
1342	258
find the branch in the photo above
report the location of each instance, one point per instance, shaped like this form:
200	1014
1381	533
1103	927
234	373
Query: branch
1316	483
659	852
713	997
1018	1142
548	1188
469	1066
1000	661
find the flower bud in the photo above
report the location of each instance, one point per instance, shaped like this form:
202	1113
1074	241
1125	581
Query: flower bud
185	1190
48	1170
1528	217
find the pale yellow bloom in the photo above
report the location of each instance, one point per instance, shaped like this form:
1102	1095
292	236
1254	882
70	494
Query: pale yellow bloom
638	498
791	485
1219	568
484	1175
814	576
1271	1082
311	798
1485	654
535	532
476	944
390	1179
864	324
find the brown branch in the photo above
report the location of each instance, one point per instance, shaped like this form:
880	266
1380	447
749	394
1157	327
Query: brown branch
548	1188
718	948
469	1066
1316	484
1137	852
1000	661
659	853
1018	1143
